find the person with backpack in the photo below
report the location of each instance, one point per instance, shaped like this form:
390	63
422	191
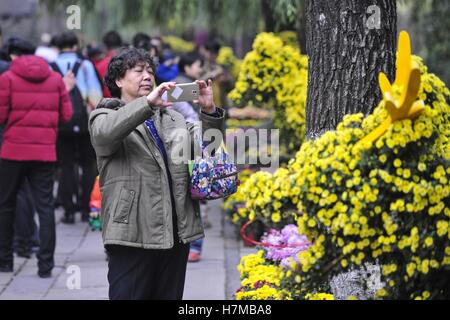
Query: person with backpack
33	100
74	147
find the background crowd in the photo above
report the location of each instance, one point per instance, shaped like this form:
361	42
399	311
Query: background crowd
47	160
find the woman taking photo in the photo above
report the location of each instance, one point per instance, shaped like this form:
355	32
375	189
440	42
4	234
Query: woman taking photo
148	216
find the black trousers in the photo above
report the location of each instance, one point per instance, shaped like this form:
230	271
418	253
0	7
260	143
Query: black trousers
25	228
40	178
148	274
73	152
143	274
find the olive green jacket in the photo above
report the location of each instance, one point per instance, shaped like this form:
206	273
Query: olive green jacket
136	203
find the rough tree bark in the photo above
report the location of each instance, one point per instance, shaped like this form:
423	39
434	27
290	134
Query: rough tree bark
345	58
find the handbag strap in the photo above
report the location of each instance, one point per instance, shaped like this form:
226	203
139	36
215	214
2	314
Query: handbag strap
222	148
198	134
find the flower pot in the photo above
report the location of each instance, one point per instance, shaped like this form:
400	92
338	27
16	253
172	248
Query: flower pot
247	243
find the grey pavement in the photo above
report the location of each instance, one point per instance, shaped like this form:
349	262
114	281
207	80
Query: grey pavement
79	251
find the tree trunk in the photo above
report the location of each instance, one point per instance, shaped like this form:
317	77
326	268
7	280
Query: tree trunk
301	30
346	54
269	20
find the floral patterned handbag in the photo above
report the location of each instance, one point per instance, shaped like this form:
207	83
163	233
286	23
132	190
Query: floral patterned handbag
213	177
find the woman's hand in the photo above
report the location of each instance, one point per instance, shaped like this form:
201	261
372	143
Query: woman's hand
155	97
206	96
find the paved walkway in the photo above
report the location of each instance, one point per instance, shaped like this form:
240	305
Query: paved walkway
80	251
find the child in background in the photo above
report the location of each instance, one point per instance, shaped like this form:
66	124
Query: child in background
95	204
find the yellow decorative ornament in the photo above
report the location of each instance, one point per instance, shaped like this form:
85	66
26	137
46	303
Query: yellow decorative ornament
401	98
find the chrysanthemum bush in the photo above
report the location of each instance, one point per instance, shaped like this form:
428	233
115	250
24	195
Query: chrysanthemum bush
387	203
274	75
363	203
262	273
179	45
260	279
289	38
227	59
233	206
265	197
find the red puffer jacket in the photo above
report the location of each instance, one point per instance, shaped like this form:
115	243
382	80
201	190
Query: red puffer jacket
33	100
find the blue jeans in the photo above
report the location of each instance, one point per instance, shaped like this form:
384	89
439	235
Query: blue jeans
197	245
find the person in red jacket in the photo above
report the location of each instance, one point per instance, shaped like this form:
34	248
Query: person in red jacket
33	100
112	42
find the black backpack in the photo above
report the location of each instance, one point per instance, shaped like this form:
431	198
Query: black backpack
79	122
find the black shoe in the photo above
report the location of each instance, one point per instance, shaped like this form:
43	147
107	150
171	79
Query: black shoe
6	268
85	217
45	275
69	219
58	204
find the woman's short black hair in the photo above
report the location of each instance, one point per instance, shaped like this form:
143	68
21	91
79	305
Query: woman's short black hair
67	40
127	59
142	41
112	40
213	46
19	46
188	59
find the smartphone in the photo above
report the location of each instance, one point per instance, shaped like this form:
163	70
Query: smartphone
182	92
